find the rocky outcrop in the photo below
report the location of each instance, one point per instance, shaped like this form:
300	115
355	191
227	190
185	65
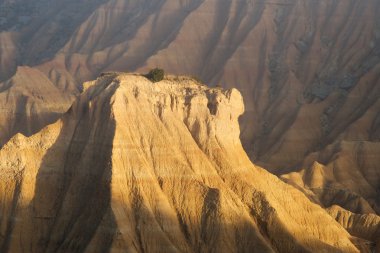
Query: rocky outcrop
142	167
346	174
308	70
366	226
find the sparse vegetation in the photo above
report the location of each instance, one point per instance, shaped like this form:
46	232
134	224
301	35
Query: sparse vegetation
156	75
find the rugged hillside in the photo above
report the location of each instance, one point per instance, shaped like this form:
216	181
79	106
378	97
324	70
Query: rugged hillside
28	102
308	71
149	167
366	226
362	225
347	175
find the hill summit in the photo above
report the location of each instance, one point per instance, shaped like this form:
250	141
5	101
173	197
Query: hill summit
140	167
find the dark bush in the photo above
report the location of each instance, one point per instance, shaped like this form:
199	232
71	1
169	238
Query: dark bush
156	75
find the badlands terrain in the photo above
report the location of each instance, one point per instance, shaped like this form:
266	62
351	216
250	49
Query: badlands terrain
308	72
141	167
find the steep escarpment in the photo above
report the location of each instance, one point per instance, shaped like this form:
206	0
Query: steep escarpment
308	70
144	167
300	65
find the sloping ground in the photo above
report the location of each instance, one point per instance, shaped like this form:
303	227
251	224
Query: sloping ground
365	226
28	102
141	167
347	175
347	179
302	66
308	71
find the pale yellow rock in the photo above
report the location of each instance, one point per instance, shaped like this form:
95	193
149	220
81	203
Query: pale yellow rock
140	167
306	85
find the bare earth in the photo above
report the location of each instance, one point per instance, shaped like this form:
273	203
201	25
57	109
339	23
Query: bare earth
149	167
308	72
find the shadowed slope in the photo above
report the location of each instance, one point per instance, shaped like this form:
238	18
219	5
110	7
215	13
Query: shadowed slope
28	102
64	180
366	226
308	70
144	167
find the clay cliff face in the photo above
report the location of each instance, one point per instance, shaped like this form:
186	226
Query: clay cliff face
290	58
307	69
149	167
